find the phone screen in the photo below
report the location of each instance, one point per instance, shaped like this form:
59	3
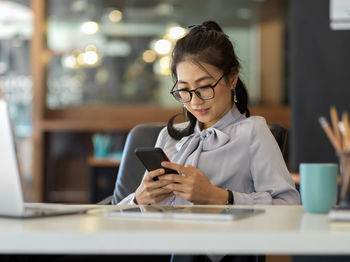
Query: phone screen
152	157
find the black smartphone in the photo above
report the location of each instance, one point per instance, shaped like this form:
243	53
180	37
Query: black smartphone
152	157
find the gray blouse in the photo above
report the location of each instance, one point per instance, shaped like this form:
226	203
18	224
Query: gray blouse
236	153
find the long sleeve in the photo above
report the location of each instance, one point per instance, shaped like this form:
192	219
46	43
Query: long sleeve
237	153
271	179
161	140
129	200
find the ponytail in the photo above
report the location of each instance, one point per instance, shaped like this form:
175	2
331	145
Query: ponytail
242	98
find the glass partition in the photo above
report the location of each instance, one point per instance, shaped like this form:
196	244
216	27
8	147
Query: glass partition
16	29
118	52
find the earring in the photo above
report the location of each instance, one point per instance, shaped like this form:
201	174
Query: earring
234	96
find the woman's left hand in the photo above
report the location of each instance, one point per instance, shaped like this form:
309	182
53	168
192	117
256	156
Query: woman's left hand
193	185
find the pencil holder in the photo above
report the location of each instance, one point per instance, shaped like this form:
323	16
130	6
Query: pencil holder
344	163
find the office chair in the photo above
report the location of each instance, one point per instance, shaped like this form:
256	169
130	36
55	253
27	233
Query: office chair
131	170
281	136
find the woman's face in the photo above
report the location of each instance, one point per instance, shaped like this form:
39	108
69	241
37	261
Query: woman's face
192	76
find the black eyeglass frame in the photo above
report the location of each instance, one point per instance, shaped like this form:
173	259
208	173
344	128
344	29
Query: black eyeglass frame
195	91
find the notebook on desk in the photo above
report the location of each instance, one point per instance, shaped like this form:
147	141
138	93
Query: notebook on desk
339	214
11	196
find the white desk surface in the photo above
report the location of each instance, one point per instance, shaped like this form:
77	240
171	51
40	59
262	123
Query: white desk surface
280	230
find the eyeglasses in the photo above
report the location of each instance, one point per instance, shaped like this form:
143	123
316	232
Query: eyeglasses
204	92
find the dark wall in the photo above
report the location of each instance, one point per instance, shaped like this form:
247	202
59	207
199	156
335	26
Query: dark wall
319	78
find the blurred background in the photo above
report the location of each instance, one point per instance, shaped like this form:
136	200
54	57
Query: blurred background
74	69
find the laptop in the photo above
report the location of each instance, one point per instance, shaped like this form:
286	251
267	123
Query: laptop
11	196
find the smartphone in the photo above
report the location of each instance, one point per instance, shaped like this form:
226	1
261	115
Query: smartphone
152	157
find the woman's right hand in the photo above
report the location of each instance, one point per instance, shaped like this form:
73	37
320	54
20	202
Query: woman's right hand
150	191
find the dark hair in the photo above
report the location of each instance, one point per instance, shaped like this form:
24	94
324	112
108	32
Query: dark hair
208	44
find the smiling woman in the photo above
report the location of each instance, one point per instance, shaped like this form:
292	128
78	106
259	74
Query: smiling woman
224	156
248	167
209	104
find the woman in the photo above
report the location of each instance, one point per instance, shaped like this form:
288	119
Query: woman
223	155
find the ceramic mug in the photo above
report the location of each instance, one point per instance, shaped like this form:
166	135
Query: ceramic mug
318	186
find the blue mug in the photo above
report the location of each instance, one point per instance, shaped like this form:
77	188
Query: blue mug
318	186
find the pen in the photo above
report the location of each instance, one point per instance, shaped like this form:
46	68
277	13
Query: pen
345	123
335	120
327	129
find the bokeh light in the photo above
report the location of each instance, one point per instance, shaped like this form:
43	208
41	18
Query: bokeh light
164	65
162	46
90	57
176	32
90	28
149	56
115	16
69	61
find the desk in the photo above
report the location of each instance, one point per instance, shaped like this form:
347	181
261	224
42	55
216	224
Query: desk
280	230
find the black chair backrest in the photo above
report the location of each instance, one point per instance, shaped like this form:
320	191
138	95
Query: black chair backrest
281	136
131	169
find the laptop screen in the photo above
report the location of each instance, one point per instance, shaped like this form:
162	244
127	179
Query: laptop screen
11	198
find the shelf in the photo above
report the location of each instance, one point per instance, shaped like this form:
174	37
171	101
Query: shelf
85	125
123	119
103	162
274	114
102	118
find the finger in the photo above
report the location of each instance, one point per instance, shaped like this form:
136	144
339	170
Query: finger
179	168
152	174
176	187
159	191
162	197
162	182
172	178
151	185
158	198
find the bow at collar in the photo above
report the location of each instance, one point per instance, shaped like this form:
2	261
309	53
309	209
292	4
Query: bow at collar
205	140
211	139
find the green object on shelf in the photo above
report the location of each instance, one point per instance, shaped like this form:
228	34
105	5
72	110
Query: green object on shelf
102	145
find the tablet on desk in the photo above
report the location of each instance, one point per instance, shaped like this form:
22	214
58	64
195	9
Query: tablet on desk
186	212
